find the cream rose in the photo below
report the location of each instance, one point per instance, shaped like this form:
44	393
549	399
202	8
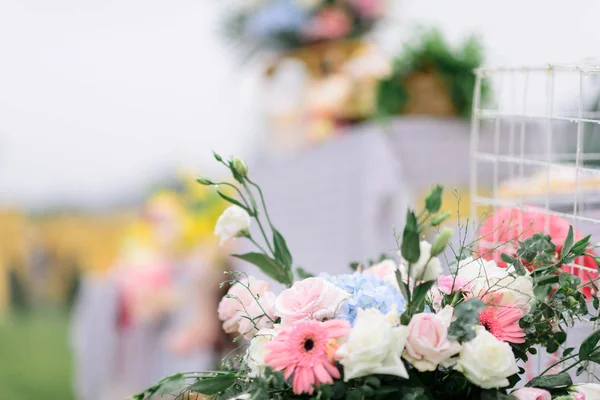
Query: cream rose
591	391
231	223
425	269
374	346
312	298
241	297
255	356
427	345
487	361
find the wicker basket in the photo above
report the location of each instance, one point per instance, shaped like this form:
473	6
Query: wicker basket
428	94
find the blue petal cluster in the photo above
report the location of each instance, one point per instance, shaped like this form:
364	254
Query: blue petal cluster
276	18
366	291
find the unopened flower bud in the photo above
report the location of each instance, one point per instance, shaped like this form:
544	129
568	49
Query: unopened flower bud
239	166
438	219
204	181
217	157
441	241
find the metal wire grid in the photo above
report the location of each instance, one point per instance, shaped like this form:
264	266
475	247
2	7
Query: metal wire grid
513	116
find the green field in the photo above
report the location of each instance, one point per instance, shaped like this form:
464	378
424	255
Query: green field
35	362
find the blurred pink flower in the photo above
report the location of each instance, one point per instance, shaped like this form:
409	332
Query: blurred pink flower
307	350
501	230
369	8
147	291
330	23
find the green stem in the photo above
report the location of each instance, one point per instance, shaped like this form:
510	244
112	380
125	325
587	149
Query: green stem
558	362
262	199
260	226
237	190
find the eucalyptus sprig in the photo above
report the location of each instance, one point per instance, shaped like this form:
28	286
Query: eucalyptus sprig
274	258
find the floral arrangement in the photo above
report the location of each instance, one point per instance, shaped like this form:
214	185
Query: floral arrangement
173	225
393	330
429	77
288	24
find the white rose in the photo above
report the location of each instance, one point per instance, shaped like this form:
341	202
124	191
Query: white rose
255	355
374	346
424	269
487	361
233	221
590	390
486	277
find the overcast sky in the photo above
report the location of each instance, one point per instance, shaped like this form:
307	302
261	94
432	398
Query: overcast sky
99	96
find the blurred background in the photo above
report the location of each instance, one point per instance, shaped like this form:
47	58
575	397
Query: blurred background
345	110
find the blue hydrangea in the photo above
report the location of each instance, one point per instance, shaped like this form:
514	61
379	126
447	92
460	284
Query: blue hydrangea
366	291
276	18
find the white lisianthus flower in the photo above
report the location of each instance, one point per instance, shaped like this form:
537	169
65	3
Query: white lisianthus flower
486	277
234	221
590	390
255	355
486	361
424	269
374	346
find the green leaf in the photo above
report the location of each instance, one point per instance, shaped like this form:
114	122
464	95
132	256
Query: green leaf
234	201
212	385
171	385
589	345
551	381
507	258
282	253
568	244
403	286
302	274
410	249
433	201
267	265
419	293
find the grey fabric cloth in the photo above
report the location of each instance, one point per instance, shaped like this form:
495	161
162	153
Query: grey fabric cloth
112	363
336	203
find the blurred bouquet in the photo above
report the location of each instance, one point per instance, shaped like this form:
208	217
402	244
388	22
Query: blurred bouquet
288	24
174	230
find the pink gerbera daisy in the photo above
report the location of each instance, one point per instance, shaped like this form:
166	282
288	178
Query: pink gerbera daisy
502	321
307	350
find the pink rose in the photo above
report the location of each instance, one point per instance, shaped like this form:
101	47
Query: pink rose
578	396
427	345
532	394
261	314
448	284
240	301
312	298
385	270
